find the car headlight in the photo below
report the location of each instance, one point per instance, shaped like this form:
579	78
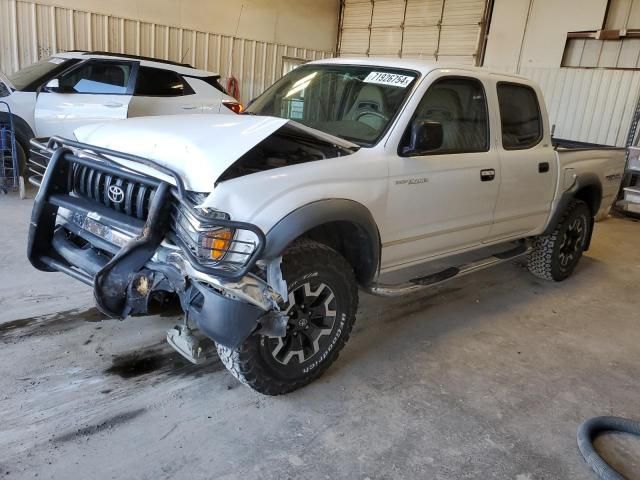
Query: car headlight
208	243
215	244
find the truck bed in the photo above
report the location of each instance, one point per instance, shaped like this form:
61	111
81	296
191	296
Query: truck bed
580	158
564	144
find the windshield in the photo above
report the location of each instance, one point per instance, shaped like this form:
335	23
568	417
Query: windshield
356	103
25	77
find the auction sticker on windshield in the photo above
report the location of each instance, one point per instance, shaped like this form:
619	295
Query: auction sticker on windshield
385	78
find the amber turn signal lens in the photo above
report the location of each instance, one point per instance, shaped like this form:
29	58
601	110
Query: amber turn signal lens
216	243
235	107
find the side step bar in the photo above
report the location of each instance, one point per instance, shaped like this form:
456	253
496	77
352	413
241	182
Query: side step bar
421	283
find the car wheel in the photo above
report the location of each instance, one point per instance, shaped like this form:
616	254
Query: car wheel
321	307
555	256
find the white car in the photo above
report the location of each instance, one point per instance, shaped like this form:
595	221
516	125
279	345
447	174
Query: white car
68	90
384	175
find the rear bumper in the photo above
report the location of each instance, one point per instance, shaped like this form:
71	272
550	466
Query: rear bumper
127	260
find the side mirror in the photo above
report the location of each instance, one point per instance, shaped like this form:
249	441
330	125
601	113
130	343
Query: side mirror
52	86
425	136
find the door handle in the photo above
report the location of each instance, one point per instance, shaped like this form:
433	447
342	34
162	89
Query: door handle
543	167
189	107
487	175
112	105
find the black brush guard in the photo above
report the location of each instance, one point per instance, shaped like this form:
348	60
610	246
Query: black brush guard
123	278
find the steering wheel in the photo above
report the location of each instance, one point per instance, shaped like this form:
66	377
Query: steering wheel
374	113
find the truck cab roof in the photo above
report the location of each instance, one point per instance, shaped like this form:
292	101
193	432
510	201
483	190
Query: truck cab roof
422	66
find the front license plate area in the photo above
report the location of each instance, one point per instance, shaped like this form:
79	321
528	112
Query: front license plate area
100	230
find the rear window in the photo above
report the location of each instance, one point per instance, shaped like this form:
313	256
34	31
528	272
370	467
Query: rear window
520	116
155	82
214	81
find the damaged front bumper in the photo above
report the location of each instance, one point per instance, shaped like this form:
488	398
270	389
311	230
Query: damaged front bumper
129	251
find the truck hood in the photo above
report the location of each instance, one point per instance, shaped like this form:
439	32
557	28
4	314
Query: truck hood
199	148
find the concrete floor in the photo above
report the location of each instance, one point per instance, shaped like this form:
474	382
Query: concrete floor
486	377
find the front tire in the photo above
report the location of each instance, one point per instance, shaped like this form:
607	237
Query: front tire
322	303
555	256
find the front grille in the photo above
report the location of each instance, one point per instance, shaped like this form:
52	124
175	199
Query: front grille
95	185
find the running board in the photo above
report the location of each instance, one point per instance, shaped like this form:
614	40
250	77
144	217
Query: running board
421	283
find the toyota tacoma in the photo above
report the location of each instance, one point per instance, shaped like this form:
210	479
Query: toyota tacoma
384	176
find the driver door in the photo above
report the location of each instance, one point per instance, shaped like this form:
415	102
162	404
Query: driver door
442	199
95	91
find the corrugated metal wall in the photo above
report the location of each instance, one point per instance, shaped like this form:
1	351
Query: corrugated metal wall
589	105
30	31
623	14
430	29
590	53
612	53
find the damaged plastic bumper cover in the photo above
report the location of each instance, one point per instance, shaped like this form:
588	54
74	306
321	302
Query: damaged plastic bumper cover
121	248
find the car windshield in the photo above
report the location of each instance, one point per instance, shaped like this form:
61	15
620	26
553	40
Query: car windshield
356	103
26	76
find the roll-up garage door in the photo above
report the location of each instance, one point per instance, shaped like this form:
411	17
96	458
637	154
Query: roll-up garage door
430	29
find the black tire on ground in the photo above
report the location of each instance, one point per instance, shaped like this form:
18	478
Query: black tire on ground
555	256
322	303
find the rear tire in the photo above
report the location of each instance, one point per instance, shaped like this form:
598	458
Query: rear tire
323	299
555	256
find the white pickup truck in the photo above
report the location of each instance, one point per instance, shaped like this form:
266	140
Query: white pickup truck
389	176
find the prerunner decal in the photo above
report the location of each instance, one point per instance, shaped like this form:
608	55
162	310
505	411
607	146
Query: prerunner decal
393	79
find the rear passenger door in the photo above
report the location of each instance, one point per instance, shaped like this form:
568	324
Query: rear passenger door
163	92
527	162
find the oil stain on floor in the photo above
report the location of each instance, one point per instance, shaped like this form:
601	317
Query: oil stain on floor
159	359
107	424
11	332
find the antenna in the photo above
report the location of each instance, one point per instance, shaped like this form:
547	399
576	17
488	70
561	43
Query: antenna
233	39
185	55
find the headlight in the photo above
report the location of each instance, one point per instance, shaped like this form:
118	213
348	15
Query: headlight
214	241
207	242
214	244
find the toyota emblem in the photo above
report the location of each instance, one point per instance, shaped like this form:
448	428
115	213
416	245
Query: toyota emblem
116	194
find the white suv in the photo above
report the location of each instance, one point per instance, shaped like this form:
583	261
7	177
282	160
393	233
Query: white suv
61	93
